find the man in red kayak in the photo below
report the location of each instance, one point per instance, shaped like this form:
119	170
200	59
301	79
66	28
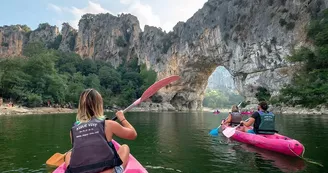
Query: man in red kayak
263	120
91	138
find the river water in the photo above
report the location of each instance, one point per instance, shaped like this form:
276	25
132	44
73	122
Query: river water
166	143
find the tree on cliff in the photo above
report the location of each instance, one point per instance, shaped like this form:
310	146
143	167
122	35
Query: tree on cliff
309	86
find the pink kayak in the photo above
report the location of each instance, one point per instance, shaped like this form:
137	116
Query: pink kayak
133	166
275	142
247	113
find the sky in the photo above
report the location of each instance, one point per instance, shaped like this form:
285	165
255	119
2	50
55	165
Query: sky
159	13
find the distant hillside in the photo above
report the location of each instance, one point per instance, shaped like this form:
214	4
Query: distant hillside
221	79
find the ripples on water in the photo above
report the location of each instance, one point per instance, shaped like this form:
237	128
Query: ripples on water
167	142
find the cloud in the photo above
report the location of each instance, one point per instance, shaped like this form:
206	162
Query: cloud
92	8
77	13
55	8
125	1
179	10
144	12
166	14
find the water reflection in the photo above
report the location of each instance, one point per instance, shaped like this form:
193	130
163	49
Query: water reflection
284	163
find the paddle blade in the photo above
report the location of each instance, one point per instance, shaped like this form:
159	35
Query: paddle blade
158	85
228	132
214	132
56	160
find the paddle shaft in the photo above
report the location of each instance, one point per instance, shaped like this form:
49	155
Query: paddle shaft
125	110
151	91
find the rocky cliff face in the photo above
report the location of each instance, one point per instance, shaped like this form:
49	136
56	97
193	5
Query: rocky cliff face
108	37
250	38
11	40
221	79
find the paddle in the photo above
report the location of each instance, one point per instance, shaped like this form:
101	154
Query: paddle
215	131
151	91
230	131
57	159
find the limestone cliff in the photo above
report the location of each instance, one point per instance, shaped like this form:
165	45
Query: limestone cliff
108	37
250	38
11	40
46	34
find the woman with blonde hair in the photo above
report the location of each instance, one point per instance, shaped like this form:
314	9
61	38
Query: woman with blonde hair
91	137
234	116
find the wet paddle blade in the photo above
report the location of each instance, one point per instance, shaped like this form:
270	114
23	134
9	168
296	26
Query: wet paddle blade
157	86
56	160
214	132
151	91
228	132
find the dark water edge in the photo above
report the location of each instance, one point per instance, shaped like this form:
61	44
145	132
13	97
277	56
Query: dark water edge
167	142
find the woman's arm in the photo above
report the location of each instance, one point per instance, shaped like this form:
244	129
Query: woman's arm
125	131
228	119
250	121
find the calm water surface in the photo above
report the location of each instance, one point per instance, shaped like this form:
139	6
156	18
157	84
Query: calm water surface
167	142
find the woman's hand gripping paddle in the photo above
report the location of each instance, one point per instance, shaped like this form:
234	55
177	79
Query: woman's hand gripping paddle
230	131
151	91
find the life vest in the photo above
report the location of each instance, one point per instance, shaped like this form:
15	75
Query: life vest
267	125
91	152
235	118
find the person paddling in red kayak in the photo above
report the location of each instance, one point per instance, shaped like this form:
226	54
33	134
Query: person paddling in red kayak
263	120
91	137
234	116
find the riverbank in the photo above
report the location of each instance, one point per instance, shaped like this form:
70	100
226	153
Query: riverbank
298	110
19	110
320	110
151	107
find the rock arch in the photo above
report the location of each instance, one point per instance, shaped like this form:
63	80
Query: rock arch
249	38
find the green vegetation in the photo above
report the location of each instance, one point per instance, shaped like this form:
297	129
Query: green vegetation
309	85
4	44
121	42
262	94
49	74
221	99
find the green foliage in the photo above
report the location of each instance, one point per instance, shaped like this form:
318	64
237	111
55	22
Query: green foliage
309	85
56	43
282	22
33	100
4	44
25	28
42	26
220	99
49	74
71	41
290	25
167	41
121	42
262	94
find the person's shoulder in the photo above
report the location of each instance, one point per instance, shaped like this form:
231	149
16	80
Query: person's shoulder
111	123
255	114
